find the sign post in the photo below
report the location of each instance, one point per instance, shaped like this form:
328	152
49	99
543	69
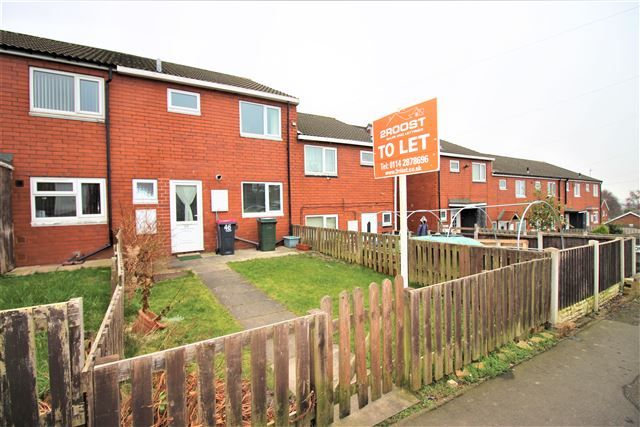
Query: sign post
406	143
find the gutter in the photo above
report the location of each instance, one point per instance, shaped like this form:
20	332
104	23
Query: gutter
205	84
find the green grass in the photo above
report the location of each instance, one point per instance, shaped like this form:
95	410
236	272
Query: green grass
299	282
195	315
92	284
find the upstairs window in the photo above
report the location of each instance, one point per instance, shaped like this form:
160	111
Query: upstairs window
586	187
320	161
259	121
538	185
576	189
595	190
66	94
454	166
179	101
502	184
521	189
68	201
551	188
479	172
366	158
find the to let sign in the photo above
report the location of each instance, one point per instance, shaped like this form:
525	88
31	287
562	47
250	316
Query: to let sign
406	142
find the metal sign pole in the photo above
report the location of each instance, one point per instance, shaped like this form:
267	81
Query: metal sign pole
404	232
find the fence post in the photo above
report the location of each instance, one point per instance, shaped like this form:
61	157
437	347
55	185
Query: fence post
476	231
596	273
621	239
633	257
555	282
540	241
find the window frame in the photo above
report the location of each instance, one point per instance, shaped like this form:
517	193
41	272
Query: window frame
324	172
387	223
268	212
183	110
324	220
500	186
524	187
576	189
595	190
143	201
551	184
265	117
451	168
79	218
586	188
537	185
483	166
76	113
443	215
363	162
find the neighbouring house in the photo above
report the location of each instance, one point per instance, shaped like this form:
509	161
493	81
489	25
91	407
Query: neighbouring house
97	134
604	211
626	220
488	181
332	172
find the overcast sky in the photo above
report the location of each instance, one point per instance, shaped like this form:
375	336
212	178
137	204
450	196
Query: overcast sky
549	81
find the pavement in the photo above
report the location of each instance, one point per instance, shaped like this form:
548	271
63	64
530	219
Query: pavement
248	304
589	379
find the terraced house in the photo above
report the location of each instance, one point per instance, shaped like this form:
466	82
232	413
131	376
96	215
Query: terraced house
97	134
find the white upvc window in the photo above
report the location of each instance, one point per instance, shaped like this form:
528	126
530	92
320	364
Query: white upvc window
454	166
68	201
443	215
595	190
322	221
479	172
183	102
366	158
61	94
521	189
551	188
145	191
261	199
567	187
595	217
387	219
576	189
586	187
538	185
502	184
260	121
320	161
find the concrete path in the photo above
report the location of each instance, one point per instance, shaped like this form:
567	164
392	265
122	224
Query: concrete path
589	379
248	304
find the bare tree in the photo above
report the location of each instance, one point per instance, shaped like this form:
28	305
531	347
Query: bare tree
612	201
632	203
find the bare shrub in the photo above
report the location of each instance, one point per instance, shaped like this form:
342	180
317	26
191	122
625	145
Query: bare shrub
142	247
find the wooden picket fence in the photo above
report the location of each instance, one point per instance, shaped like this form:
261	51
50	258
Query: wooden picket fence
64	328
429	262
312	385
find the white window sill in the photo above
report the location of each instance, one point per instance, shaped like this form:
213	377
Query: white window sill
187	112
479	182
256	136
454	171
367	165
503	189
71	116
521	197
145	202
66	223
387	225
263	214
328	175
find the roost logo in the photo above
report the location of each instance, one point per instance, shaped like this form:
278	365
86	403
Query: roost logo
406	142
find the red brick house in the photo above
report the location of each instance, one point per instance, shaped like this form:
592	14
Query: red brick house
96	134
627	219
604	211
332	168
488	181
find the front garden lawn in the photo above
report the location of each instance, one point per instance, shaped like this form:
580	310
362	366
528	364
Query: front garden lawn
194	314
299	282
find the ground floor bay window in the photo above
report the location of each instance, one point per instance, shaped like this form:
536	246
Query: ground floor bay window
68	201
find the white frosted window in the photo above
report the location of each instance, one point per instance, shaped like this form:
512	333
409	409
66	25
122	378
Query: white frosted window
320	160
331	222
145	191
314	221
146	221
366	158
322	221
89	96
520	189
313	159
183	102
503	184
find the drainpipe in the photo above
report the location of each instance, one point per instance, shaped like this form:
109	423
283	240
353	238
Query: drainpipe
439	216
395	203
107	132
289	169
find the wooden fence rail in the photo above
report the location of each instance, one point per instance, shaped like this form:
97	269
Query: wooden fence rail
429	262
63	325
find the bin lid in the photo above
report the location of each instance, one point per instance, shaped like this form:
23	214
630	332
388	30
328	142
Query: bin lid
267	220
226	221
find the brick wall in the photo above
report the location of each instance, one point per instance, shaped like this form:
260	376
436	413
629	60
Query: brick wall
353	192
47	147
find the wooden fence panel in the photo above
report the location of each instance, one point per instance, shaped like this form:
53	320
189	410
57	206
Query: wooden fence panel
609	274
629	247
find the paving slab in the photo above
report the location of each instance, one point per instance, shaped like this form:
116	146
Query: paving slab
375	412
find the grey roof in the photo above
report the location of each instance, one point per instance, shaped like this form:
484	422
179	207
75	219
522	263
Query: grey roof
448	147
328	127
75	52
523	167
6	158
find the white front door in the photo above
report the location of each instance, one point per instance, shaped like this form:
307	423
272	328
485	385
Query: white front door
369	222
186	216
